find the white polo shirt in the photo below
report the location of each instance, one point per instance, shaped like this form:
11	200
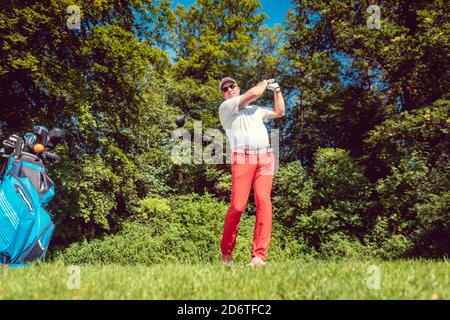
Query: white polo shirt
245	128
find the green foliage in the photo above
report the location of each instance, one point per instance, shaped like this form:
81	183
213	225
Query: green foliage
213	38
153	208
344	246
292	193
221	181
414	146
405	52
326	209
365	139
89	196
319	225
351	78
95	203
414	212
340	185
154	174
98	84
394	247
336	104
433	217
61	70
183	229
424	131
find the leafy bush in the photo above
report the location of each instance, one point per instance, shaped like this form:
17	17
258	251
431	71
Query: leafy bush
86	198
340	184
342	245
414	193
189	232
292	193
134	244
394	247
319	225
412	212
153	207
154	173
324	212
220	180
433	237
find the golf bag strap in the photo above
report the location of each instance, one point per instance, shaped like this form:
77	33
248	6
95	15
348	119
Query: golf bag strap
3	171
16	167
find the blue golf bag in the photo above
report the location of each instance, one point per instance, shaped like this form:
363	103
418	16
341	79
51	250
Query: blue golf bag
26	226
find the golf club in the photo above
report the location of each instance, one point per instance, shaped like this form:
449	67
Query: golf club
5	152
9	146
33	143
11	141
30	141
18	148
55	137
41	134
181	120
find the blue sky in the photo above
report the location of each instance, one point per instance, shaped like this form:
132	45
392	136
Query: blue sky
274	9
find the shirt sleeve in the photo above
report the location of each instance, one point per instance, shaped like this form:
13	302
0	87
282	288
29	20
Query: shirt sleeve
265	113
228	108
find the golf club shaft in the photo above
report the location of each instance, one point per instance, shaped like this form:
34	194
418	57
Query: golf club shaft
203	108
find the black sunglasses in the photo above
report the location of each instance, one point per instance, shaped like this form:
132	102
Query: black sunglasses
231	86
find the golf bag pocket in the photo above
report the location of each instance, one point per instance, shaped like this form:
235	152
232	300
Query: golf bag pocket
9	221
47	196
38	247
16	215
40	181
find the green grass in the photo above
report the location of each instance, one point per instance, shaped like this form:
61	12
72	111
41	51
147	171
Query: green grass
302	279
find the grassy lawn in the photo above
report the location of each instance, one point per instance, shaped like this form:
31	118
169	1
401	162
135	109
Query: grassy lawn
306	279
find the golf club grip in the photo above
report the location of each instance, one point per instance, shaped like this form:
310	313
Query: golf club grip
18	148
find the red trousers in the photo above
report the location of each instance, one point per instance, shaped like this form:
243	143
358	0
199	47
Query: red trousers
247	170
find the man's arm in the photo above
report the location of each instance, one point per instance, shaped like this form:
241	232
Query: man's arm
252	94
278	106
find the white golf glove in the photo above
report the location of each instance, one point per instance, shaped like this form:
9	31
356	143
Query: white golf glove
274	87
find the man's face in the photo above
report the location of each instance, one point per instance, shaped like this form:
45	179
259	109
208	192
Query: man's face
229	90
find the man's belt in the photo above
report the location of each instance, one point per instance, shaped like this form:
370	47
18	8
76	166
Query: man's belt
254	150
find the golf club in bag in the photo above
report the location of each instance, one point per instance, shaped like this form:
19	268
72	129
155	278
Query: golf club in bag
25	190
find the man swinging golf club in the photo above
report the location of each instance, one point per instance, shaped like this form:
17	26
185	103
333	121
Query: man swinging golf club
252	162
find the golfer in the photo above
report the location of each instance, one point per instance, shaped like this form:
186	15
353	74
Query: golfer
252	163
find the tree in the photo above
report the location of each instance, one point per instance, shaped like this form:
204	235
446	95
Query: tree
337	63
96	83
212	38
413	197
